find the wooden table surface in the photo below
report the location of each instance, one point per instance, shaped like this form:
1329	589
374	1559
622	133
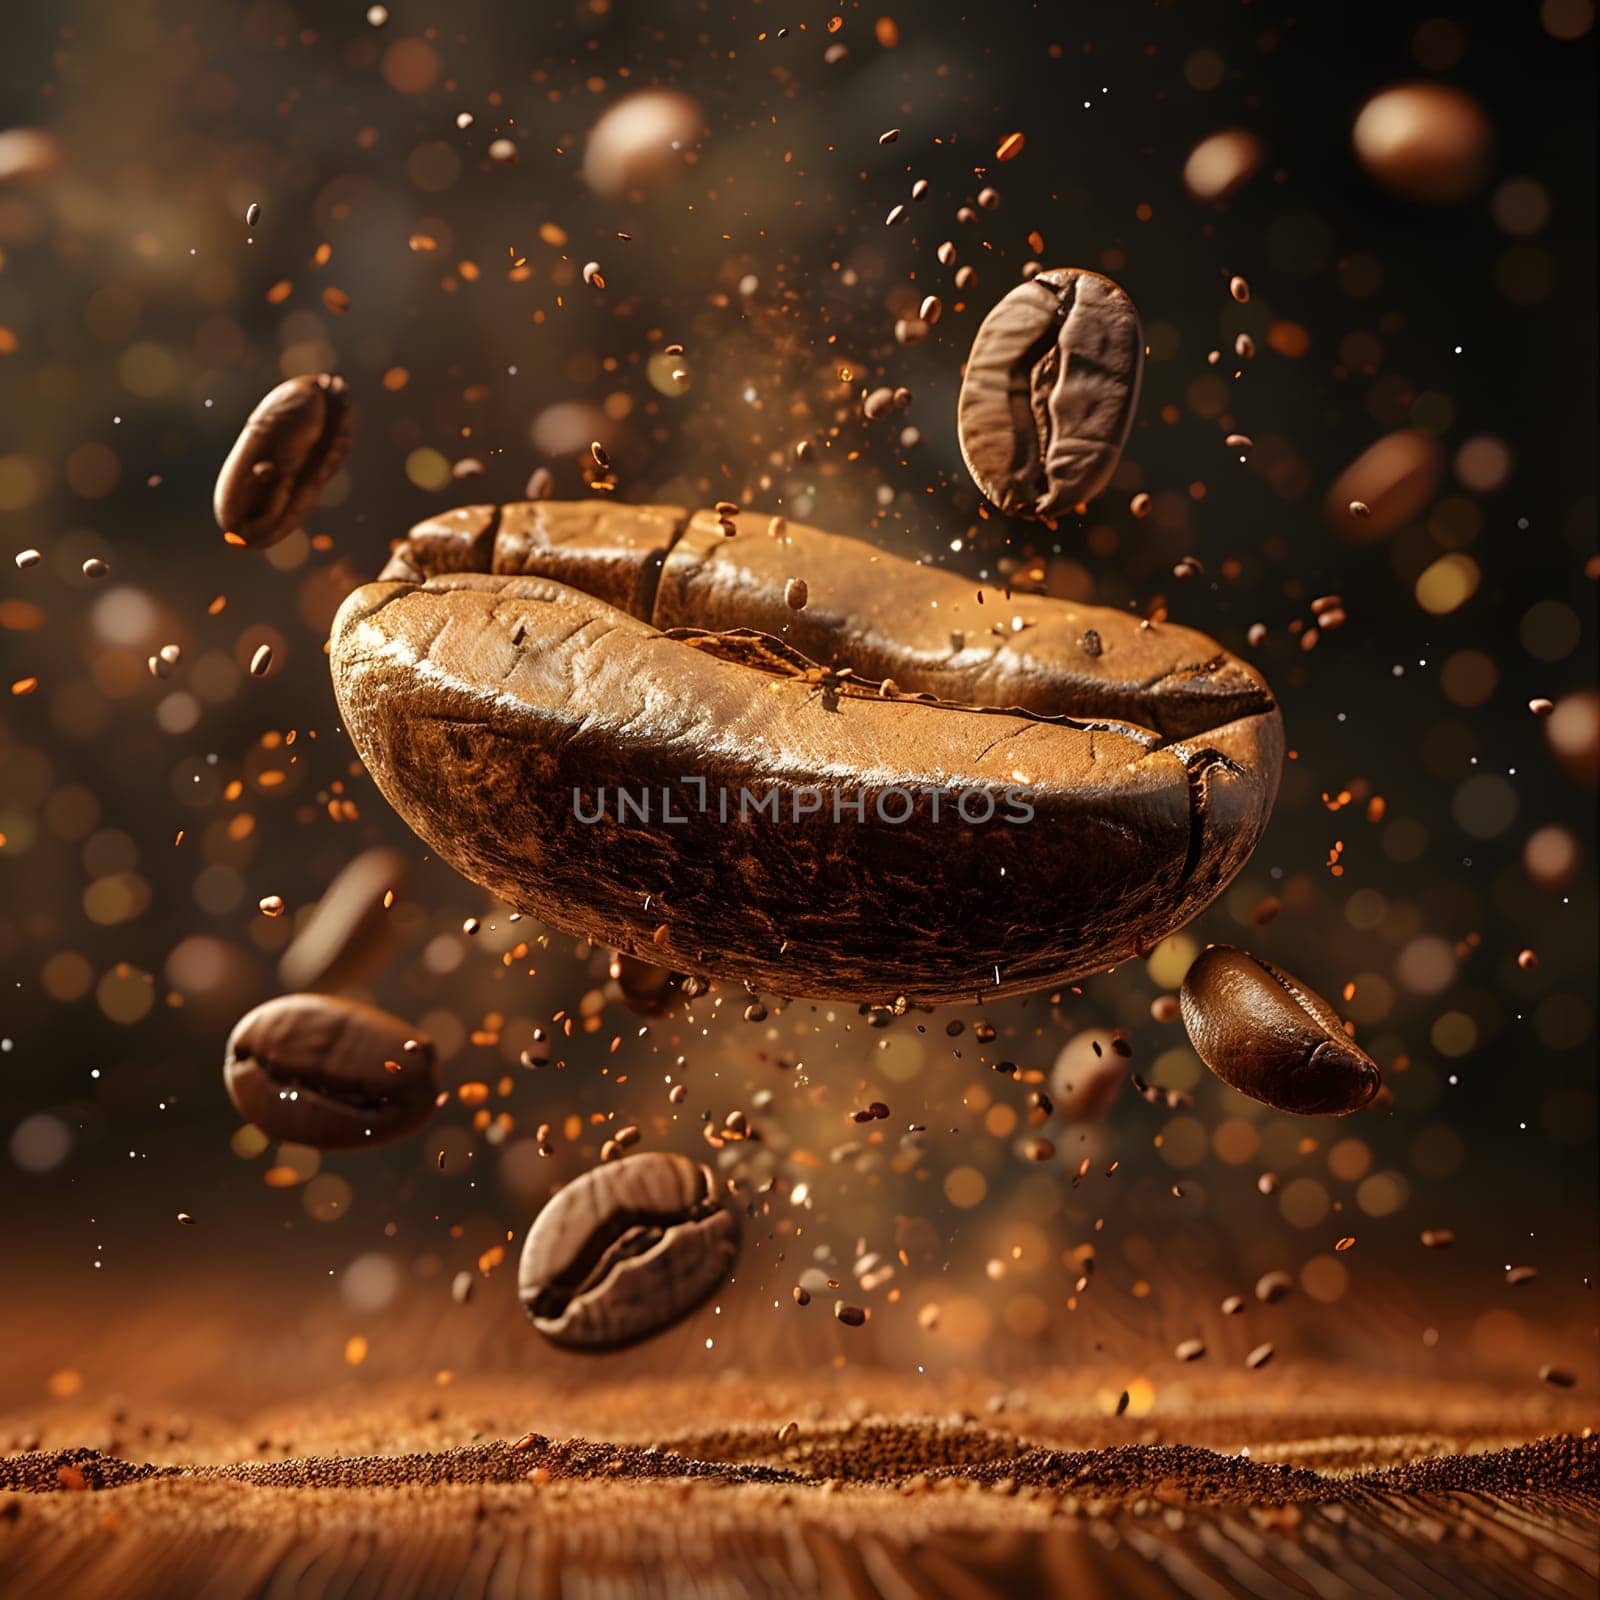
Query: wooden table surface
1319	1484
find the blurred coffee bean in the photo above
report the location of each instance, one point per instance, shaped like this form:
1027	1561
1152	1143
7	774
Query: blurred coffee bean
294	441
348	934
1573	729
640	141
27	153
1266	1034
1050	391
1271	1287
1223	163
1391	482
646	988
625	1251
330	1073
1087	1077
1424	141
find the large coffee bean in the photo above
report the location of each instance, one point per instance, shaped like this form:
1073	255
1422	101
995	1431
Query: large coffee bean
1049	392
1264	1033
330	1073
625	1251
292	444
347	935
950	796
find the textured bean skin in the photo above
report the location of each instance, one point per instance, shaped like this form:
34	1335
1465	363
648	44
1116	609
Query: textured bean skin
311	1068
1269	1036
1050	391
294	441
480	699
874	613
625	1251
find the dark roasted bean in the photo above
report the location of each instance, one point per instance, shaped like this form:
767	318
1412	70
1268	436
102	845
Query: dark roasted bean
292	444
1050	391
330	1073
1266	1034
646	988
606	649
625	1251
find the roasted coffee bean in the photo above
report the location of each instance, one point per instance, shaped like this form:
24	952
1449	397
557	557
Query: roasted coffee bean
1266	1034
292	444
348	934
1050	391
330	1073
625	1251
646	988
507	717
